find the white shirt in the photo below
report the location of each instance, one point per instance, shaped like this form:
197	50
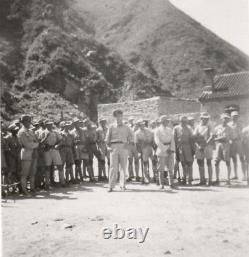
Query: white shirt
164	139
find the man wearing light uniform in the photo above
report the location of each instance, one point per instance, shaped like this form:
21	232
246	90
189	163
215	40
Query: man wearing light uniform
223	137
236	146
118	137
29	143
204	149
164	139
144	140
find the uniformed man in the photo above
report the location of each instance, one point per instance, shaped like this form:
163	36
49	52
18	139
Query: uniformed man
133	154
245	150
4	168
203	134
191	122
144	140
183	136
66	150
40	174
164	139
12	153
153	126
80	149
118	137
223	138
91	141
29	143
51	140
104	154
236	146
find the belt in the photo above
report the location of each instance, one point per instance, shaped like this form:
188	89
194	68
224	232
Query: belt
66	146
79	143
166	143
117	142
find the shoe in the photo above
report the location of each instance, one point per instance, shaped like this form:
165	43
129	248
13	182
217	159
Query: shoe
228	183
109	190
172	186
234	178
123	188
217	183
137	179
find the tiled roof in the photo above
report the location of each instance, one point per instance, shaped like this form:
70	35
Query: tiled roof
227	85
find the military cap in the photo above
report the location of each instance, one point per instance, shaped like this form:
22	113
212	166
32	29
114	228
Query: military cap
117	112
16	122
25	117
48	122
13	127
183	118
164	118
204	115
224	116
62	124
102	120
140	122
190	118
234	113
75	119
68	123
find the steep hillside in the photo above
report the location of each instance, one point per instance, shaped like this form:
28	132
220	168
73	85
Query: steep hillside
47	46
161	41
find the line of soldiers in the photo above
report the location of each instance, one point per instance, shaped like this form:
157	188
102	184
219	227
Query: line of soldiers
168	145
30	151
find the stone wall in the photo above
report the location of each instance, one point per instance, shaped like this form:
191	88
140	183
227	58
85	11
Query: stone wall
151	108
143	109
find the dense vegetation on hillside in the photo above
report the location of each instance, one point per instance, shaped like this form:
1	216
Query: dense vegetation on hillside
47	46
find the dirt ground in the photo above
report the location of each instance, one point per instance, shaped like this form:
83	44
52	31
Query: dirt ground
190	221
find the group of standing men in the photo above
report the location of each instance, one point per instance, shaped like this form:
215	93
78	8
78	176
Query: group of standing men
30	151
168	146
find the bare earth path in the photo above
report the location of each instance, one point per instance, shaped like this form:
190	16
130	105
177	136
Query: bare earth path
191	221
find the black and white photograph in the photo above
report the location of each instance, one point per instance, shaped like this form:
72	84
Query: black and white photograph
124	128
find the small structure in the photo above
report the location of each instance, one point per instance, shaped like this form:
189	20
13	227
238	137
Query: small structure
151	108
226	92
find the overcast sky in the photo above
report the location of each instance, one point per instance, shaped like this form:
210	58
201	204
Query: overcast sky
229	19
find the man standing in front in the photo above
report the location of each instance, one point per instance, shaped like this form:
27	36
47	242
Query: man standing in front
144	140
164	139
223	138
204	149
184	142
29	144
118	137
236	146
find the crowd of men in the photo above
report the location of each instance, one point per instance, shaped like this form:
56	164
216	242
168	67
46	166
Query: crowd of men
151	151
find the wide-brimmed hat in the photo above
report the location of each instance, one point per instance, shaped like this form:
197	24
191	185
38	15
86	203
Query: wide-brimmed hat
234	113
13	127
164	118
25	117
224	116
117	112
205	115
